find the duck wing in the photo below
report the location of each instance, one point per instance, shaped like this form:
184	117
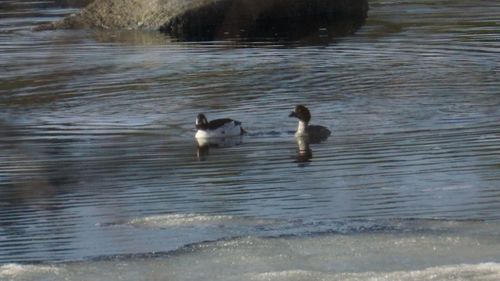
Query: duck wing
217	123
318	133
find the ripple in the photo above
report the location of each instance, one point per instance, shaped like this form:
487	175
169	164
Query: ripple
98	155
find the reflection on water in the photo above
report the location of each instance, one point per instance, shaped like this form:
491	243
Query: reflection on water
96	129
304	152
204	145
273	20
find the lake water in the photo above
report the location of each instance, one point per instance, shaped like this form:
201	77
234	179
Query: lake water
101	177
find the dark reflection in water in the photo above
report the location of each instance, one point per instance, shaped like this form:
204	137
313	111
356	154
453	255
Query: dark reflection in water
96	128
205	145
311	21
309	33
304	152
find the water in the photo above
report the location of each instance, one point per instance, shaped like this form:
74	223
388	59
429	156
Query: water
101	178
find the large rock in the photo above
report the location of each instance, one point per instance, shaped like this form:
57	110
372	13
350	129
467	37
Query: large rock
126	14
208	19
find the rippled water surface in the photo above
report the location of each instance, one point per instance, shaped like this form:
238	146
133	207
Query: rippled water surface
98	158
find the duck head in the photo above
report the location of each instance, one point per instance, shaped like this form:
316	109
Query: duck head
302	113
201	122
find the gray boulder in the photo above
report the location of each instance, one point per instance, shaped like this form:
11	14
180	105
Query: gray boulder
125	14
211	19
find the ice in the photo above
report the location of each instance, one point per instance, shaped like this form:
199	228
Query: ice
483	271
460	272
14	271
432	254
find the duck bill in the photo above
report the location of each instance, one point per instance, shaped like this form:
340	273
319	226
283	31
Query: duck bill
292	114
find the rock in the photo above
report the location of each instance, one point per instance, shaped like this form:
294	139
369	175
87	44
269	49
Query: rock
126	14
209	19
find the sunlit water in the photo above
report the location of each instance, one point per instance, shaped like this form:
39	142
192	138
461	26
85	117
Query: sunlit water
101	178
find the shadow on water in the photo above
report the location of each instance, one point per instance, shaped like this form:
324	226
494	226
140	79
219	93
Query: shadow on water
308	34
288	34
311	22
33	173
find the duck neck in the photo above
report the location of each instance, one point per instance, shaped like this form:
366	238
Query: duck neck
301	129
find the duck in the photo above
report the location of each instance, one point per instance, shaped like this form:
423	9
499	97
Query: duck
314	133
218	128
